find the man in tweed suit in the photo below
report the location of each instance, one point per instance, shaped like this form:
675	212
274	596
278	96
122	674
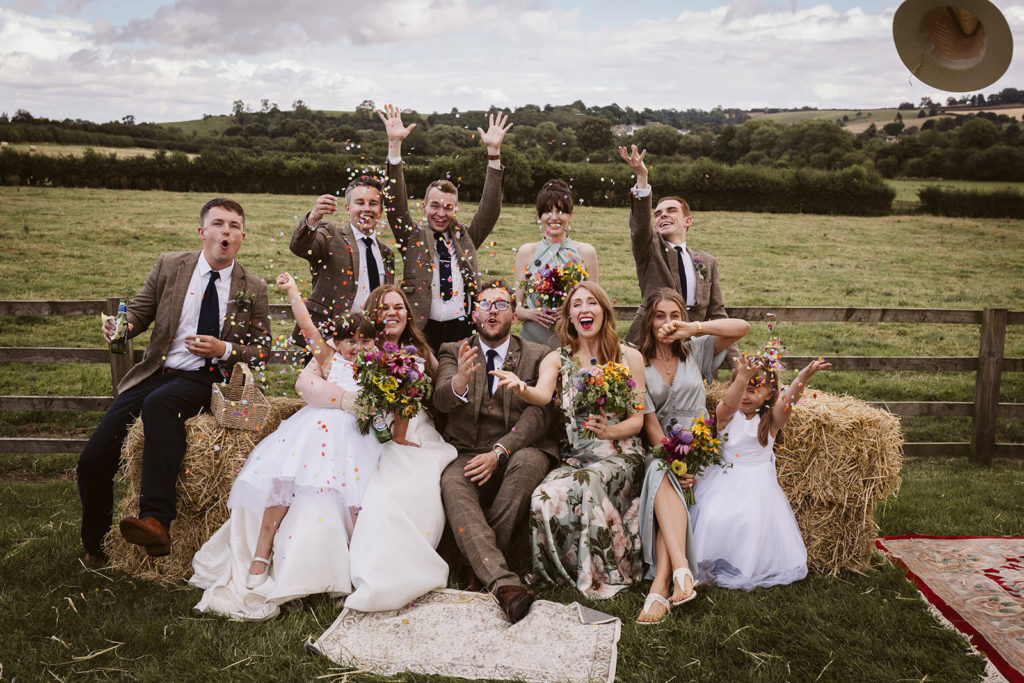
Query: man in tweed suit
662	256
441	273
346	262
503	443
208	313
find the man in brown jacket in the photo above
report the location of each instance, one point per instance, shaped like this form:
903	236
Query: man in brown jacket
441	274
346	262
662	256
208	313
503	443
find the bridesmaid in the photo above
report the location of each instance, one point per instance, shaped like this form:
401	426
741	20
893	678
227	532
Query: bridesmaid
555	248
677	355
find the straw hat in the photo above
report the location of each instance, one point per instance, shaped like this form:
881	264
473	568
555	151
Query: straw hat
956	48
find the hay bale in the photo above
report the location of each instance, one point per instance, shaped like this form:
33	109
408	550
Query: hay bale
212	459
839	458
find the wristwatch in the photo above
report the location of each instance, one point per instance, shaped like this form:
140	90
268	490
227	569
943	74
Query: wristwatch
502	454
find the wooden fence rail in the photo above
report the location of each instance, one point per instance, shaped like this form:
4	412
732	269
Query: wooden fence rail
988	365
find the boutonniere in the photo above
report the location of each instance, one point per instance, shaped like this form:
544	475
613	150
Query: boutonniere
511	362
700	267
242	299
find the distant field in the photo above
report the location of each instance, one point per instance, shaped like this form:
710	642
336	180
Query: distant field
906	188
78	150
212	125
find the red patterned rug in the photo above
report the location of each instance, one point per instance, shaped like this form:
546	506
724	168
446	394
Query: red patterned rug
977	582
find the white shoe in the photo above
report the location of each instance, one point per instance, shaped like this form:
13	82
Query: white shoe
679	576
257	580
653	598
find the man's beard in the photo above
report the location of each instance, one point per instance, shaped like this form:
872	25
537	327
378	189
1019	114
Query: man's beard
499	335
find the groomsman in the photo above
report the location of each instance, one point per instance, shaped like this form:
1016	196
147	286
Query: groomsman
503	443
662	256
441	274
208	313
346	262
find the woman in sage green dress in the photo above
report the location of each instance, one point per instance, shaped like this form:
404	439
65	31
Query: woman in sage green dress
555	248
678	355
583	515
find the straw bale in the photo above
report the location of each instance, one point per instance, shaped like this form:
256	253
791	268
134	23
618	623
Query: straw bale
213	457
838	459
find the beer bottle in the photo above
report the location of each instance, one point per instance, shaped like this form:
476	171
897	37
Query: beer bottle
380	428
119	340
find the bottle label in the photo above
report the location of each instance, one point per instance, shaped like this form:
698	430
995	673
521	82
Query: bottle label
380	423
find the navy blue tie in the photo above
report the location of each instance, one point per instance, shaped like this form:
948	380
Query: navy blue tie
209	313
492	356
444	260
372	272
682	271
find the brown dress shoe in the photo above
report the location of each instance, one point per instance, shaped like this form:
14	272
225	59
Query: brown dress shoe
470	581
147	532
515	601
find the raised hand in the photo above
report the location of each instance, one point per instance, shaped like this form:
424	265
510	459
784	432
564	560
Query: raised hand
495	133
676	329
635	160
286	284
324	204
746	366
392	118
813	367
509	379
467	366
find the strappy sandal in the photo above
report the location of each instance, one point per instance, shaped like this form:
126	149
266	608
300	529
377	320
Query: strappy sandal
653	598
679	576
256	580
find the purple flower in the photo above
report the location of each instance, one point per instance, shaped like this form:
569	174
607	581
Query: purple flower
686	437
410	349
630	383
600	400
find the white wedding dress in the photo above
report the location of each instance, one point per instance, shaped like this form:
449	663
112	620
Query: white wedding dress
389	558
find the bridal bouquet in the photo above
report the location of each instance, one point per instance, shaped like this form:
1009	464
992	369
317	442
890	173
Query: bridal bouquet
689	451
551	283
609	387
390	379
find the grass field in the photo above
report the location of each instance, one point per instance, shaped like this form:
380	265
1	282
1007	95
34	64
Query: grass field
53	150
64	622
907	188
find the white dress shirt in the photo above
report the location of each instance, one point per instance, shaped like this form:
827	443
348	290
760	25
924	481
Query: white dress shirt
502	350
456	306
690	274
178	357
363	280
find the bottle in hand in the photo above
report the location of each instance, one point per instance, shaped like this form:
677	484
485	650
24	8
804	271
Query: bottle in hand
119	340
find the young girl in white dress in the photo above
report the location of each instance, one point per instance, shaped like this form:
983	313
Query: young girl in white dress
743	527
315	468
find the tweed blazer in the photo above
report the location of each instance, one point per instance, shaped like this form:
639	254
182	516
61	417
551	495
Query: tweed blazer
159	302
334	258
523	424
419	249
657	265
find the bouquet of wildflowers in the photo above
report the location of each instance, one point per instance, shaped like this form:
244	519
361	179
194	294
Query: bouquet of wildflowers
609	387
551	283
689	451
390	380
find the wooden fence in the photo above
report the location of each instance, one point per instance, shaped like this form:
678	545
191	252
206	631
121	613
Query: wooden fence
988	365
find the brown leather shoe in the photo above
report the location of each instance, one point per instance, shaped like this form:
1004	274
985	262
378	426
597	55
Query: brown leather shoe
147	532
515	601
469	580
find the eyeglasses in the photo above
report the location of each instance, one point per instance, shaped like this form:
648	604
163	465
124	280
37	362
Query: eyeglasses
499	305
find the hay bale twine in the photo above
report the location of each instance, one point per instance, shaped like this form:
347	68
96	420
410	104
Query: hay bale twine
213	457
839	457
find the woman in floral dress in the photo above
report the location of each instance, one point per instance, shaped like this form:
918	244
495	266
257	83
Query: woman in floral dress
584	514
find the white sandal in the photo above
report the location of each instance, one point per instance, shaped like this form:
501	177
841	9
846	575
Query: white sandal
257	580
678	576
653	598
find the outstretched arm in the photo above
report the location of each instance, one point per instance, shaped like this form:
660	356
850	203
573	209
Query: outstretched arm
635	160
489	209
395	129
540	394
745	369
321	351
784	406
726	331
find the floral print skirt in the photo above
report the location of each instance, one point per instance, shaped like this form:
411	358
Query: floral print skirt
584	520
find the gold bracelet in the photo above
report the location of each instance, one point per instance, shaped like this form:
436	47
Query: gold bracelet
700	329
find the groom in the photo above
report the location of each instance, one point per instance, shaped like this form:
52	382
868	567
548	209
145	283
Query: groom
503	443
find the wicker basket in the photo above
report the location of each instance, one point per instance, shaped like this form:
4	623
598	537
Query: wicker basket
239	404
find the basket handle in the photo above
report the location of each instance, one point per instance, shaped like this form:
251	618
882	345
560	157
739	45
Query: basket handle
244	377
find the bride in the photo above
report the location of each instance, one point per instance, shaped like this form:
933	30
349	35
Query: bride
386	558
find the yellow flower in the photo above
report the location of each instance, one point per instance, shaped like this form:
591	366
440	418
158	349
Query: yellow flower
678	468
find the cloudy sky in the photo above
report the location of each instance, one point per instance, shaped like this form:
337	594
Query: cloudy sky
178	59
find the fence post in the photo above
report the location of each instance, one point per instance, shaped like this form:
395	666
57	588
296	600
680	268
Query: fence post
120	363
986	386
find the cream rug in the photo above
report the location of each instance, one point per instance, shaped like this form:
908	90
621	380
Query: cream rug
456	633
